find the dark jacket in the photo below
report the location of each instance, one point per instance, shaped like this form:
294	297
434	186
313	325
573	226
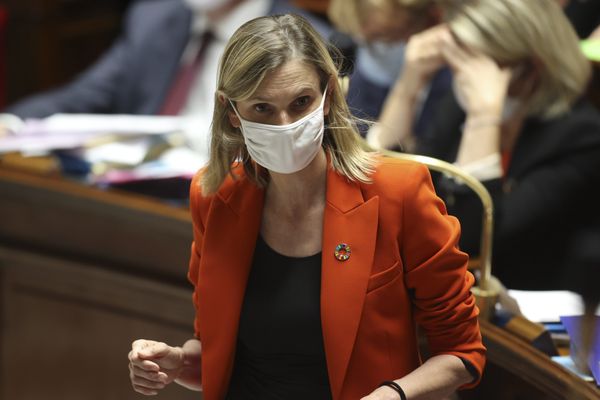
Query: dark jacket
547	197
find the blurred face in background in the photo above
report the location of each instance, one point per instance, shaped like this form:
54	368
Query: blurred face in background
392	22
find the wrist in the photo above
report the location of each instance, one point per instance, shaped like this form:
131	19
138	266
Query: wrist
408	88
482	121
181	360
392	390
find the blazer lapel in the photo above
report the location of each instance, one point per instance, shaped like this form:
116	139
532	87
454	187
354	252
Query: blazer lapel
233	224
348	219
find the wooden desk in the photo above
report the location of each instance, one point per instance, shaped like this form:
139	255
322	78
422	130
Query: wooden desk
84	272
517	371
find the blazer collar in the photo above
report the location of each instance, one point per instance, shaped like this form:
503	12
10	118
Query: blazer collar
232	227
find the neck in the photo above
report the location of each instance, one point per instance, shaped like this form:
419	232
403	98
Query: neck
511	130
294	193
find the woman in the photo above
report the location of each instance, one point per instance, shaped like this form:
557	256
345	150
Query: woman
312	259
381	28
523	130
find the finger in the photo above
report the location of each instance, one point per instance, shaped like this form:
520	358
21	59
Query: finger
156	376
141	343
148	365
154	350
143	390
145	383
456	56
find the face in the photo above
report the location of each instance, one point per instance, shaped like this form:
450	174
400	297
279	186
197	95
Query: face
396	25
285	95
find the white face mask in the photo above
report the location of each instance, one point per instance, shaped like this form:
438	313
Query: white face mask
381	62
205	5
285	148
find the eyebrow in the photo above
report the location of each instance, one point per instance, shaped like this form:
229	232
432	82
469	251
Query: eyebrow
269	99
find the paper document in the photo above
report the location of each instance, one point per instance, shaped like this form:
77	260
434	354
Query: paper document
69	131
548	306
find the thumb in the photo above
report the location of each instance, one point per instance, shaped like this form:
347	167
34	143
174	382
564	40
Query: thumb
152	350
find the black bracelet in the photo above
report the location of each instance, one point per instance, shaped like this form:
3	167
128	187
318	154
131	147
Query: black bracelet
396	387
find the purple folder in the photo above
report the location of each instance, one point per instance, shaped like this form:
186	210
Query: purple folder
573	326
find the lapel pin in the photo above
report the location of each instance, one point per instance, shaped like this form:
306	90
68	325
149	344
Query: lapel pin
342	252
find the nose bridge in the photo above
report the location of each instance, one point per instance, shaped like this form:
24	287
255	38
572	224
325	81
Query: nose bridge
284	118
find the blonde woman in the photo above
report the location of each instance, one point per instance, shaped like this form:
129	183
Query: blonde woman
381	29
313	260
526	134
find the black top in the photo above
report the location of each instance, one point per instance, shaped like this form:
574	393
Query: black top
280	353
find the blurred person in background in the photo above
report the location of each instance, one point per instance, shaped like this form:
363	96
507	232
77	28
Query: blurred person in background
520	124
163	63
381	28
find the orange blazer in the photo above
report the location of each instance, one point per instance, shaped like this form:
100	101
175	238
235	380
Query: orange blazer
404	270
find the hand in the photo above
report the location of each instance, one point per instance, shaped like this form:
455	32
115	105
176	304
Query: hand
480	82
422	58
153	365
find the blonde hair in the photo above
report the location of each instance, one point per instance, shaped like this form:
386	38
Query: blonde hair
260	46
349	15
512	31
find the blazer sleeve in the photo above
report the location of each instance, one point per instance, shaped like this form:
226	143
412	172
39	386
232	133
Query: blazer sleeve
198	227
437	277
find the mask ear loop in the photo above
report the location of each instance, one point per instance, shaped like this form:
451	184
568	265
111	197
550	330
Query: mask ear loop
235	110
244	155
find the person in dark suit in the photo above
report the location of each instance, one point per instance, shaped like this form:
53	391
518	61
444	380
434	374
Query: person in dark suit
519	124
313	259
137	75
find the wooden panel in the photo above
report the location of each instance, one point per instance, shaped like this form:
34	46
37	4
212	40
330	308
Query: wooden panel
67	328
121	231
50	41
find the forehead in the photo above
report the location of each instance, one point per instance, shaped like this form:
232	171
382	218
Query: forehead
387	16
289	77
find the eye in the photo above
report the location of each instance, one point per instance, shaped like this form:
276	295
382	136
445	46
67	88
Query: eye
261	108
302	102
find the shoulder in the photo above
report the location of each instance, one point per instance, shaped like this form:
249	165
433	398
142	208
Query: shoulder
235	181
157	8
580	127
148	16
396	173
396	179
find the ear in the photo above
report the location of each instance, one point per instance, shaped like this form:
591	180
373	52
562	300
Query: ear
233	118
